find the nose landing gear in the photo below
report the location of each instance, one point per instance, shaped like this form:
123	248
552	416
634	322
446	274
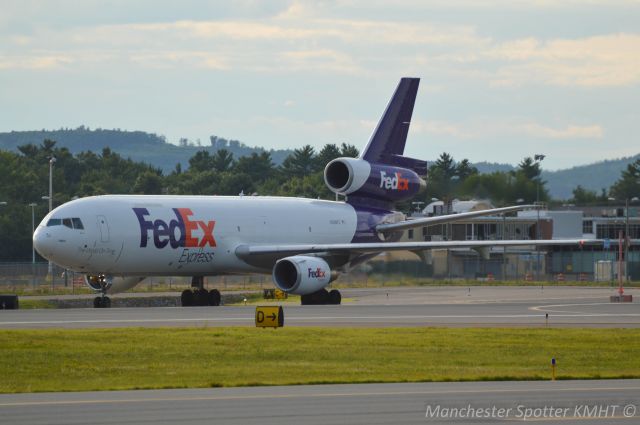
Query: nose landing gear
102	302
100	283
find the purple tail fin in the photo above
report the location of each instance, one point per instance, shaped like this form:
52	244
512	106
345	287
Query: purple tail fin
386	145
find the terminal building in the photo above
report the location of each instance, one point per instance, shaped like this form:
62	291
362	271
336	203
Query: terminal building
557	262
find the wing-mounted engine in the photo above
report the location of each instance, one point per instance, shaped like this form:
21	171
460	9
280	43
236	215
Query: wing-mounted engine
302	275
109	284
361	178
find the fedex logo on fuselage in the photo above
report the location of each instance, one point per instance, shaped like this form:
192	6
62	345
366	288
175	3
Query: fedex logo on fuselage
179	232
394	181
317	273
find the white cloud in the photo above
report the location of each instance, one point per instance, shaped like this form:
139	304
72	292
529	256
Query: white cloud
607	60
345	46
559	65
567	132
300	40
440	128
38	62
318	60
171	59
510	128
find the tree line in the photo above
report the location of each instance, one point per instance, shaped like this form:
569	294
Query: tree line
24	180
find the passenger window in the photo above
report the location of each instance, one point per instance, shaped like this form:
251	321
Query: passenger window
67	222
77	223
54	222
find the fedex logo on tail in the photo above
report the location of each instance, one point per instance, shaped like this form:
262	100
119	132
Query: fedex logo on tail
318	273
394	181
179	232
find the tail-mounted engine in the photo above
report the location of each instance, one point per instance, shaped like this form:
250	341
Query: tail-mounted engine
358	177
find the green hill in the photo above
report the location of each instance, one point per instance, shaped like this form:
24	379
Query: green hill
594	176
137	145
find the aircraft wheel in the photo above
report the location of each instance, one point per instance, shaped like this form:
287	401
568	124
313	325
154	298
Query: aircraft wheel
317	298
97	302
322	297
186	298
335	297
106	302
214	297
309	299
201	297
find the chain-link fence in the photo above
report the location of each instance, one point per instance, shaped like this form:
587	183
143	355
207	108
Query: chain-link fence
43	278
558	267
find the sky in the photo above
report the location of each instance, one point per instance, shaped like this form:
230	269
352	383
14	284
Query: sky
500	80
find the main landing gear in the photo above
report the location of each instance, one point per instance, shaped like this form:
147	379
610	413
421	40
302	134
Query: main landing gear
322	297
198	295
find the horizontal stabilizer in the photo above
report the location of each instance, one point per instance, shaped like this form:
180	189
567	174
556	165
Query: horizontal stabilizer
417	165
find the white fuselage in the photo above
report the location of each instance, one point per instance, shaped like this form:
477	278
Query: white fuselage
131	235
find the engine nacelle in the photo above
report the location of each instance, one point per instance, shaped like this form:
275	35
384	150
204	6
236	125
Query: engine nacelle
346	175
110	284
302	275
351	176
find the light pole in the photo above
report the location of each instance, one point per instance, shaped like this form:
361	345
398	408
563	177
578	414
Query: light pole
33	249
538	159
52	161
33	230
627	237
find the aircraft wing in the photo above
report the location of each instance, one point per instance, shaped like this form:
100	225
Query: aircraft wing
247	251
448	218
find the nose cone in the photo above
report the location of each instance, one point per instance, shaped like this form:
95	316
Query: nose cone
43	242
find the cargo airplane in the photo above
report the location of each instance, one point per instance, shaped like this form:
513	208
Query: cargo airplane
118	240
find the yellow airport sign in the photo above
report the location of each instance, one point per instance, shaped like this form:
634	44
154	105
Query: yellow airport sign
269	316
274	294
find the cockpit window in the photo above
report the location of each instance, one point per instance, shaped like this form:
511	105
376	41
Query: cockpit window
54	222
71	223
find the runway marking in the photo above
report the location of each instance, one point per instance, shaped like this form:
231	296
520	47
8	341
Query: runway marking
318	318
71	322
298	395
503	300
547	308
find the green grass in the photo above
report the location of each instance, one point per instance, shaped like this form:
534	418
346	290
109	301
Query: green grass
27	304
109	359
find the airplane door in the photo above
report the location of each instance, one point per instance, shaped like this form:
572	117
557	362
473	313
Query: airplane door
104	228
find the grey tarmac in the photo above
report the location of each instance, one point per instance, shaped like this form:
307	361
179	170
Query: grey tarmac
375	307
593	402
